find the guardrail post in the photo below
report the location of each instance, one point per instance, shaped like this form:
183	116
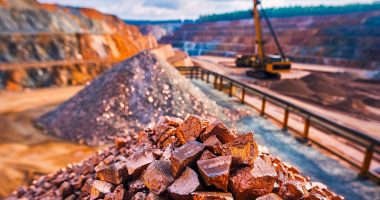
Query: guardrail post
215	81
191	73
306	129
221	83
243	95
208	77
367	161
263	105
286	119
202	74
231	87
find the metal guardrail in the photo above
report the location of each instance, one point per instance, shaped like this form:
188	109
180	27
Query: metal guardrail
368	145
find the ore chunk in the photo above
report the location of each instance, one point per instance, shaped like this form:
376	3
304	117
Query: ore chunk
65	189
134	187
138	161
100	188
185	155
152	196
243	150
115	173
120	142
157	177
217	128
213	144
270	196
139	196
215	171
187	183
207	155
191	128
293	190
211	196
253	182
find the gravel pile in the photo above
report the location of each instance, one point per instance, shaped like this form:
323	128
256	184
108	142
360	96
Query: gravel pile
192	159
125	99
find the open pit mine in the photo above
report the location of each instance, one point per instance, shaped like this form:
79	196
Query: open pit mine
93	108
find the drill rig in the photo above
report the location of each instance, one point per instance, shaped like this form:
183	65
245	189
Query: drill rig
264	66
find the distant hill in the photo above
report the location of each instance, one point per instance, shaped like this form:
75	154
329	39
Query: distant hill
293	11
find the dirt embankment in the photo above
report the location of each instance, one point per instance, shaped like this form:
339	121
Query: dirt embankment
337	91
24	150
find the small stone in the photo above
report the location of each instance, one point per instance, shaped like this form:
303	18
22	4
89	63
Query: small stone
152	196
134	187
157	177
253	182
293	190
139	196
115	173
270	196
138	161
65	189
120	142
215	171
207	155
211	196
100	188
213	144
191	128
185	155
243	150
187	183
217	128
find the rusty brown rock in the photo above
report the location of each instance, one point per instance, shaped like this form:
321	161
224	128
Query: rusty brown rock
139	196
138	161
191	128
293	190
243	150
213	144
207	155
86	188
120	142
253	182
100	188
65	190
152	196
185	155
167	153
115	173
133	187
271	196
157	177
211	196
215	171
172	140
187	183
217	128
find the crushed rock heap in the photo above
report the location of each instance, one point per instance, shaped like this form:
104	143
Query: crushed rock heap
125	99
192	159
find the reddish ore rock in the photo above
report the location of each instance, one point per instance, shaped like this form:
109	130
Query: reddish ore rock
253	182
185	155
157	176
211	196
215	171
217	128
187	183
138	161
270	196
115	173
293	190
207	155
191	128
213	144
100	188
243	150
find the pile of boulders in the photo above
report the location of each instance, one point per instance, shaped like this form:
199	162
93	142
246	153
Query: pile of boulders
192	159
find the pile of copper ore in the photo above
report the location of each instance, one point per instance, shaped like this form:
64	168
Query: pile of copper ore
125	99
192	159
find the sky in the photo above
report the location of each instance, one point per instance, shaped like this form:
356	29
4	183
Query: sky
181	9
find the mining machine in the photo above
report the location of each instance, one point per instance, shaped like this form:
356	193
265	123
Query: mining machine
264	66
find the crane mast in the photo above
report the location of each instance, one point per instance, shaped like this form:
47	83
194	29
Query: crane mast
259	46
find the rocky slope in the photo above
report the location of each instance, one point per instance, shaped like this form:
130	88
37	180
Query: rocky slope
350	40
43	44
